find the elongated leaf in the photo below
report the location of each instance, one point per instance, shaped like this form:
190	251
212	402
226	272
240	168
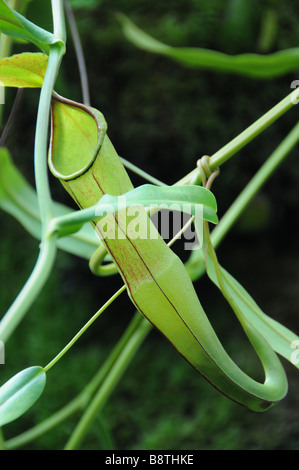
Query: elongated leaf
249	64
15	25
281	339
19	199
20	393
194	200
184	198
26	70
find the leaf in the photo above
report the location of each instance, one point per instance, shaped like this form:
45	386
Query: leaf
26	70
249	64
15	25
281	339
19	199
20	393
184	198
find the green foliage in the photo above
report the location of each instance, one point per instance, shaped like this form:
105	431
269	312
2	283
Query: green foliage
252	65
183	197
23	70
15	25
19	199
179	26
20	393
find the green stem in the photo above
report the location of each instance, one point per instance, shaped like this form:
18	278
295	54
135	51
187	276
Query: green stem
59	28
230	149
81	401
47	253
255	184
76	219
82	216
31	289
79	52
194	265
120	365
42	428
143	174
85	327
41	138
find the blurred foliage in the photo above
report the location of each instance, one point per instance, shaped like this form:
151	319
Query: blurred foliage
163	117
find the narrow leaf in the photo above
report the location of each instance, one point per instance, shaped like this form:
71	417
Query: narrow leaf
248	64
26	70
15	25
184	198
281	339
20	393
19	199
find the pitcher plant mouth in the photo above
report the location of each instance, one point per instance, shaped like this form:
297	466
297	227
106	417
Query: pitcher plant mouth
75	165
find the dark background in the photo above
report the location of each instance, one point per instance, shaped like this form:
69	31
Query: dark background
163	117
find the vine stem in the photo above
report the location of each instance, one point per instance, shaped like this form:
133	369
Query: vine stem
111	380
194	264
43	117
79	52
80	402
104	307
31	289
85	327
230	149
255	184
48	248
141	173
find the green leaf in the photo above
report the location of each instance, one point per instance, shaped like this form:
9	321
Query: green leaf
26	70
15	25
193	200
281	339
249	64
20	393
19	199
184	198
